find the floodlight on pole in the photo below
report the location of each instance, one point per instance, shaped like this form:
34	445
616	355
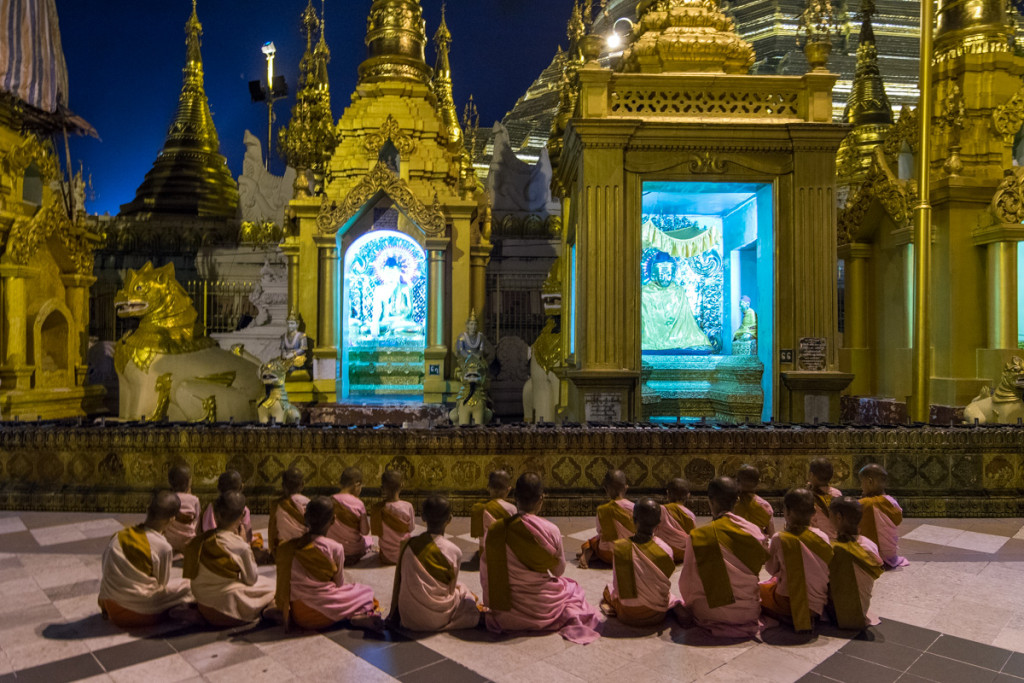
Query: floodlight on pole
274	89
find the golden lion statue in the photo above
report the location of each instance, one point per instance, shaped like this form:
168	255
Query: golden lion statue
276	407
1004	405
168	368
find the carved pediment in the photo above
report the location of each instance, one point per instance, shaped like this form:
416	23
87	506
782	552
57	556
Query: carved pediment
389	130
381	180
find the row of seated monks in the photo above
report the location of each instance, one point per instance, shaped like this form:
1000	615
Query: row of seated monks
821	565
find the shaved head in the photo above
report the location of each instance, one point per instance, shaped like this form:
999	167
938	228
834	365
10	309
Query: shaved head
678	490
647	515
179	477
292	480
529	491
436	512
615	483
350	477
163	506
799	502
499	480
319	515
723	493
228	509
230	480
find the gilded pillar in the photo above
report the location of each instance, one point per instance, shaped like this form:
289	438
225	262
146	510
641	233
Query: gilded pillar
1001	281
14	373
291	252
855	335
479	257
436	313
326	344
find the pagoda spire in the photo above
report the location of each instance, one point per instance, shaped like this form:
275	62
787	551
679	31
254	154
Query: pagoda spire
189	176
868	103
308	140
868	107
442	83
395	38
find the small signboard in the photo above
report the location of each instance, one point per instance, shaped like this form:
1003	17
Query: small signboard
603	407
435	369
785	355
812	354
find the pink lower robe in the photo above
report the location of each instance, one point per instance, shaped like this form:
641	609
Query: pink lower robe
287	526
888	536
335	599
815	572
182	528
820	520
741	619
425	604
355	540
390	540
653	588
866	582
489	519
672	533
210	523
544	601
242	598
136	590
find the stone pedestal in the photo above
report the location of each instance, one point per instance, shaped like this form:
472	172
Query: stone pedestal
811	397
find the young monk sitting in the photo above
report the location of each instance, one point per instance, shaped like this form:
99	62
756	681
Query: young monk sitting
231	480
677	521
222	568
751	506
483	515
882	514
819	481
798	560
391	519
182	528
723	558
854	568
136	589
641	590
521	574
614	521
351	525
287	513
427	594
311	588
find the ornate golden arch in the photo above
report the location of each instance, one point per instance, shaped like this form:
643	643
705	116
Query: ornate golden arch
381	181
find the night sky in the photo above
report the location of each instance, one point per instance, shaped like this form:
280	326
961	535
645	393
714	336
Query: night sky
125	59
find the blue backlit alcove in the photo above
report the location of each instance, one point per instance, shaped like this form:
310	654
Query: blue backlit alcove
383	315
706	245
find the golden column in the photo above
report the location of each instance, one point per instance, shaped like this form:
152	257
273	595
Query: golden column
76	298
14	370
1002	294
327	341
919	401
479	257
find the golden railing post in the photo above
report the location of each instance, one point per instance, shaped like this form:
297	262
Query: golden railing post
920	404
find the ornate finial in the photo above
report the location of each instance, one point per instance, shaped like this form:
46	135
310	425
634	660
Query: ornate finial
817	25
685	36
472	317
868	103
395	38
442	84
471	124
309	138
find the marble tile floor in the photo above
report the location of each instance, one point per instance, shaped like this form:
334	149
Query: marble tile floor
955	614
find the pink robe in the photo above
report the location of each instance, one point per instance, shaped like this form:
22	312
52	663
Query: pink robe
668	530
390	540
741	619
621	531
820	520
653	588
425	604
544	601
815	572
355	541
866	582
888	537
287	526
334	599
489	520
178	534
210	523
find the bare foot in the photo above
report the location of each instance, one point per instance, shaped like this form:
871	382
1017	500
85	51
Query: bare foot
371	622
584	559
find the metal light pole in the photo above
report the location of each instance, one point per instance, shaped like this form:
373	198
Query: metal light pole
920	403
269	50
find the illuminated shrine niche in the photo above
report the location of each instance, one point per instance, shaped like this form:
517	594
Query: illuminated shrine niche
385	310
706	246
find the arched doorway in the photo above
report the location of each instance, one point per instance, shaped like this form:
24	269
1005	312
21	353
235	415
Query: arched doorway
383	318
